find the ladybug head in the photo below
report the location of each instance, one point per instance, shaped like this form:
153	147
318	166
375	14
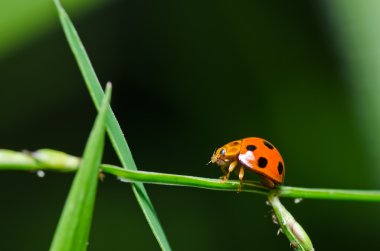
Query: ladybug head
224	155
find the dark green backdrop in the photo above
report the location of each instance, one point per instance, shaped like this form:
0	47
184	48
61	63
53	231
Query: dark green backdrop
188	77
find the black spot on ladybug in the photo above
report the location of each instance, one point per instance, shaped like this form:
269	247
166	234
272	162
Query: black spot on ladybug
222	152
280	167
251	148
262	162
269	145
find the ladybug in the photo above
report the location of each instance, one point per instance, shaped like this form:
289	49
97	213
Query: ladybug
253	154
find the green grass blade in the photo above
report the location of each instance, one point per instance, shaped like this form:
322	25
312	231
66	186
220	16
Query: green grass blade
113	128
74	225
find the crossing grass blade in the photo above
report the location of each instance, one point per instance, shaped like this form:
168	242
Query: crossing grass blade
113	128
74	225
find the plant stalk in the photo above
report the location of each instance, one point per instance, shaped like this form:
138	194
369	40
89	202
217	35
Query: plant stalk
52	160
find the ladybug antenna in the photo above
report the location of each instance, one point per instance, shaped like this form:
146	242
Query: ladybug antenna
211	160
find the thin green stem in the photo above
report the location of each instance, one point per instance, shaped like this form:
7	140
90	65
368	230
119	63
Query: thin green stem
47	159
329	194
182	180
252	187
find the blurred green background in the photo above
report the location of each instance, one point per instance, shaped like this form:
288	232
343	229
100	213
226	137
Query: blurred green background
190	76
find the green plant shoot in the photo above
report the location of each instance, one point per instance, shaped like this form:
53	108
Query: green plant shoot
74	225
113	128
299	240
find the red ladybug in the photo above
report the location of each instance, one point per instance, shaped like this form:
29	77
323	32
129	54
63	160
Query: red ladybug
253	154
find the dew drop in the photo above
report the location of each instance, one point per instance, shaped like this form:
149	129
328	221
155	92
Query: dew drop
40	174
279	231
274	219
298	200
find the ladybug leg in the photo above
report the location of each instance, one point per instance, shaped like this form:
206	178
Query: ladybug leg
241	176
223	169
101	176
230	169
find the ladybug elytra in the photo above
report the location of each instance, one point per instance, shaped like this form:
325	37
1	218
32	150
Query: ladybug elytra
252	154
